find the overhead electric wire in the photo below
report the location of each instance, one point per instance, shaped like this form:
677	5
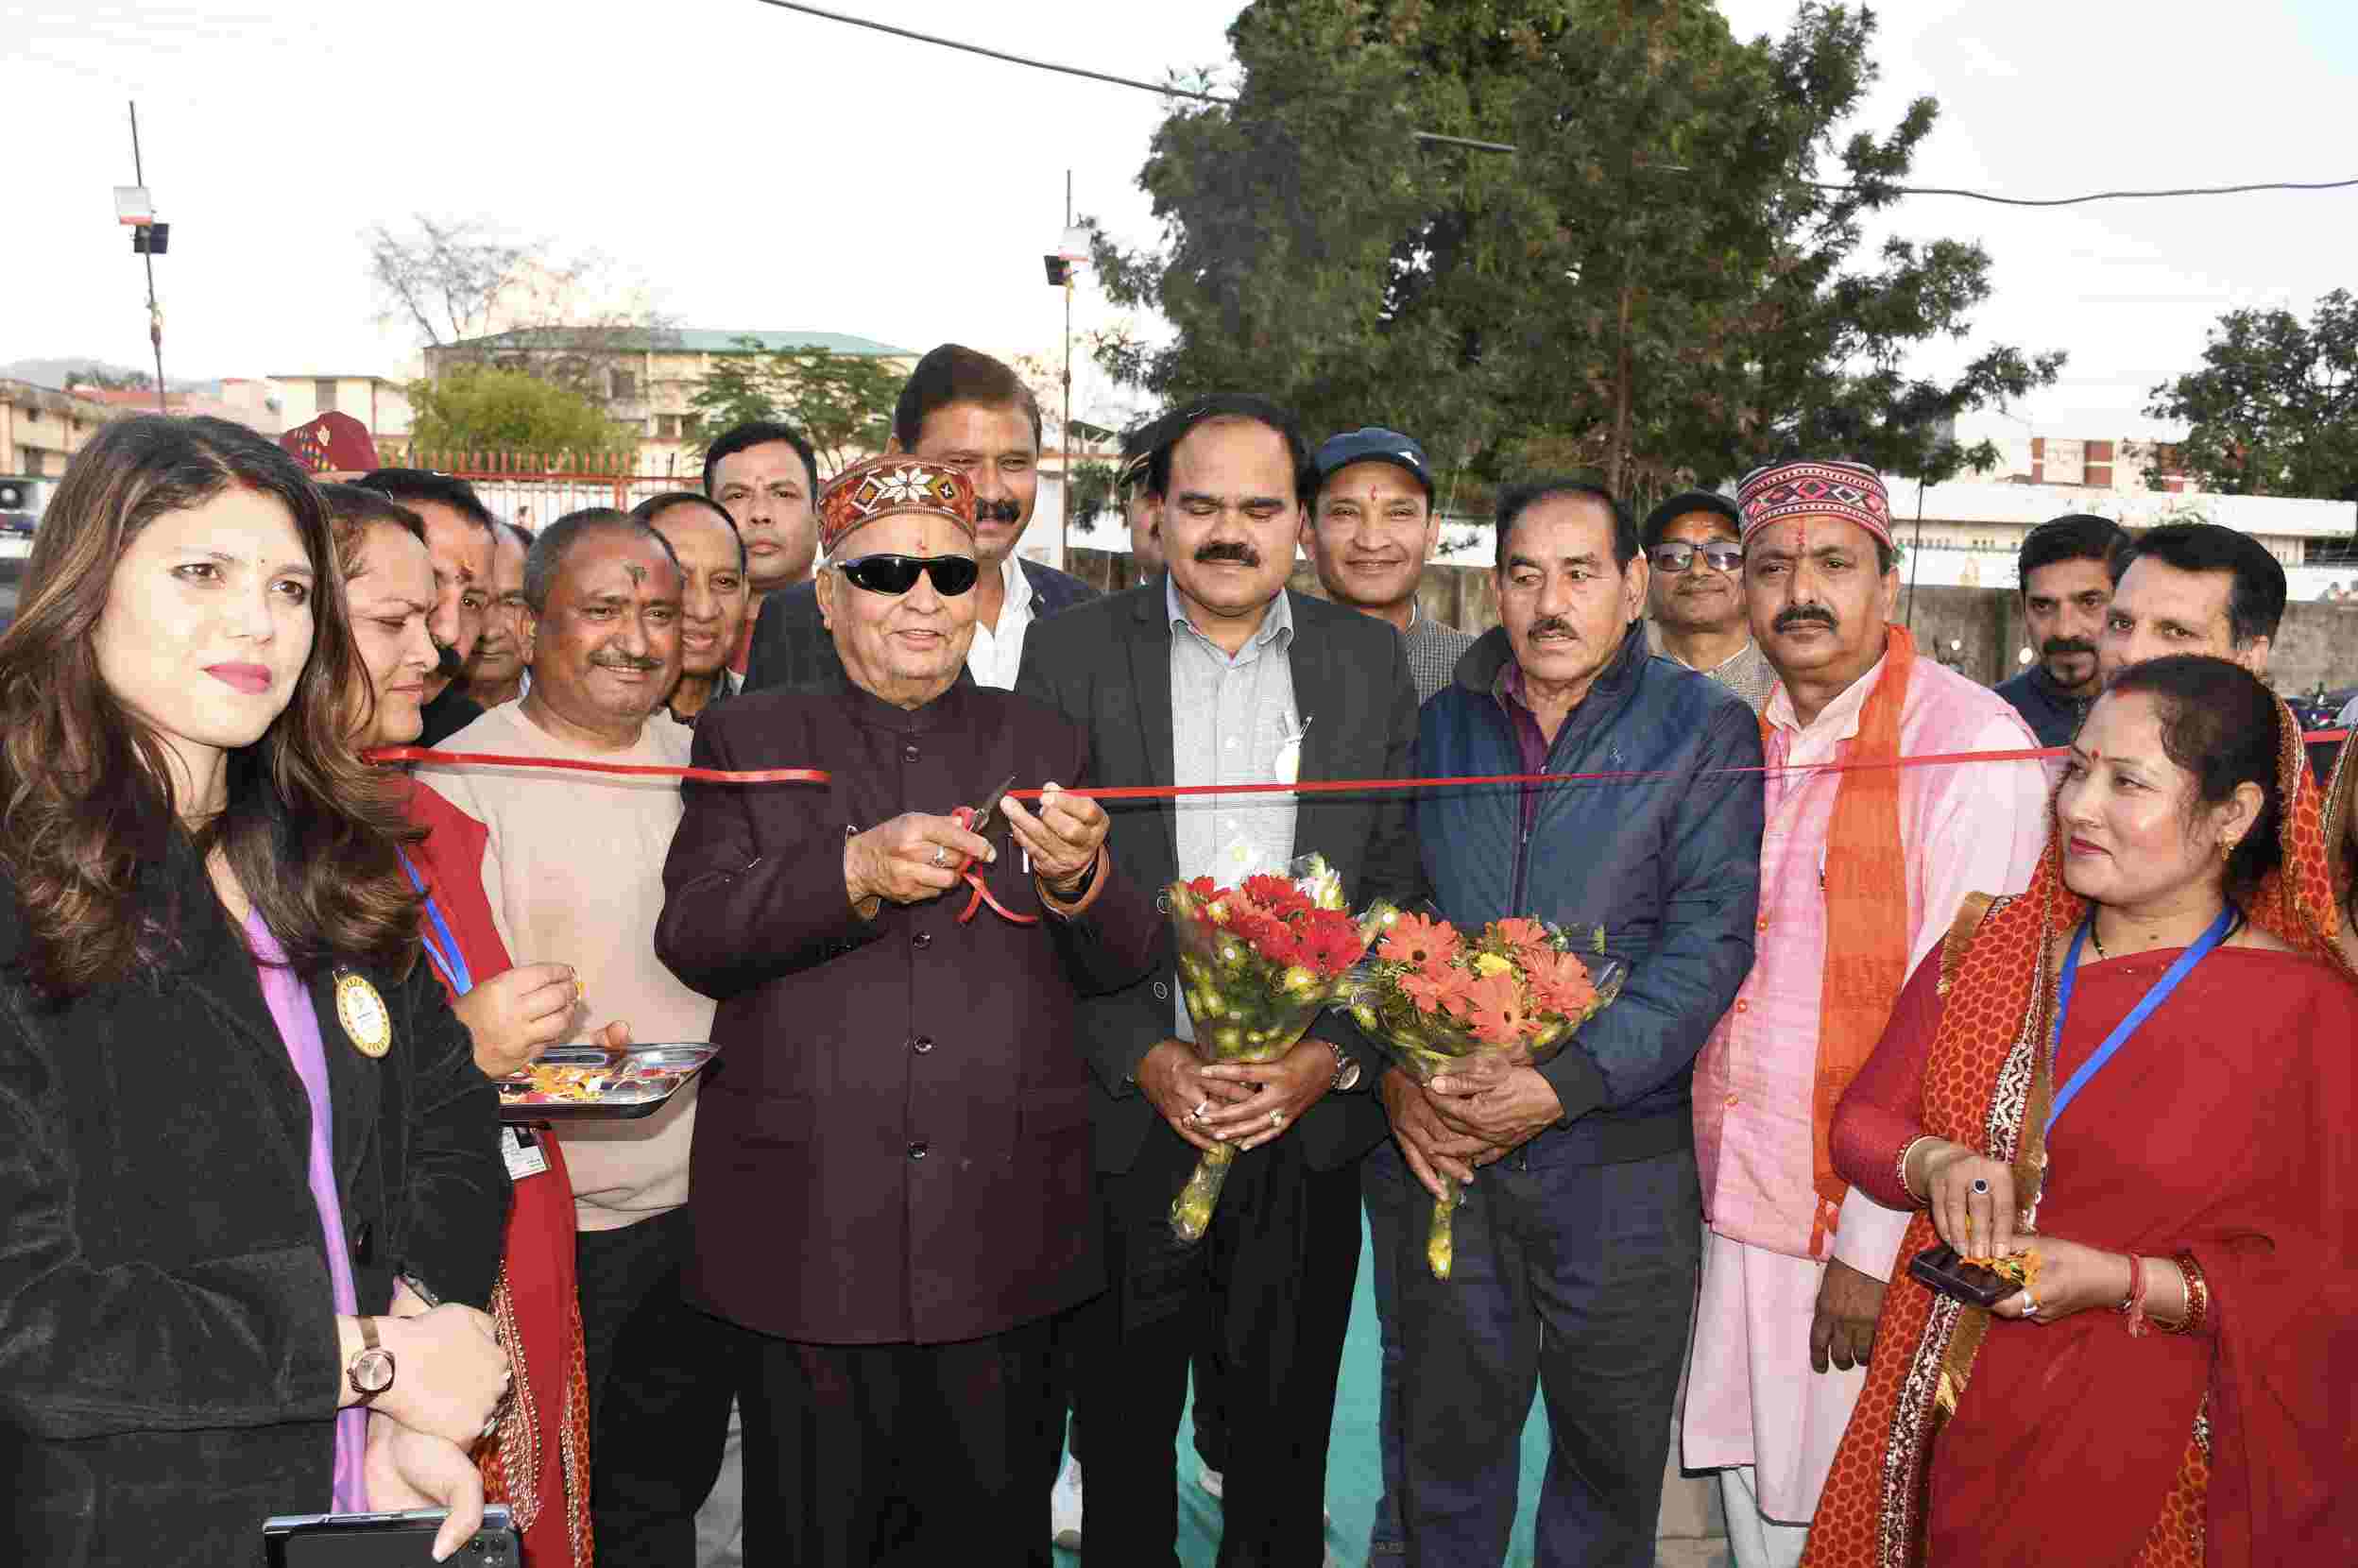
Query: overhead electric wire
1171	91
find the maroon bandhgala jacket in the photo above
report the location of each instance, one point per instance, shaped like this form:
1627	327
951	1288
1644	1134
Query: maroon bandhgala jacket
894	1144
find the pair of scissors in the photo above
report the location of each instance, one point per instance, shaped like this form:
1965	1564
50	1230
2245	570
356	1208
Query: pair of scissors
977	820
979	825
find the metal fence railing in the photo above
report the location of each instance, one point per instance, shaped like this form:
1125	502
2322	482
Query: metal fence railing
536	491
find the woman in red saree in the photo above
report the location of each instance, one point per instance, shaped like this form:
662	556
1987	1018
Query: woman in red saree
2173	1387
2341	844
538	1462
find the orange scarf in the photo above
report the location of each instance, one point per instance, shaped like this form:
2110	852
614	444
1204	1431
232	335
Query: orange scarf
1866	959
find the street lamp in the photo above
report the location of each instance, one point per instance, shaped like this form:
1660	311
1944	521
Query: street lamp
1071	253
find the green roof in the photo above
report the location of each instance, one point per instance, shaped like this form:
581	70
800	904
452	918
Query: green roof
694	340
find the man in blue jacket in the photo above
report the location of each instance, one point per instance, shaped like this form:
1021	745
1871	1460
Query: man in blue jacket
1577	1248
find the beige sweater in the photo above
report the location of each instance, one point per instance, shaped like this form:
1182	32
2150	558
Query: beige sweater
574	874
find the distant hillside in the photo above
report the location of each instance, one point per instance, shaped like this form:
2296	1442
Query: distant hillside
52	373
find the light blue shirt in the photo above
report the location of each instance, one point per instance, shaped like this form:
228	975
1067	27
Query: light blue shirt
1233	720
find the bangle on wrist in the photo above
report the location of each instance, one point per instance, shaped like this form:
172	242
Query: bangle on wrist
1908	1151
2197	1298
2135	1305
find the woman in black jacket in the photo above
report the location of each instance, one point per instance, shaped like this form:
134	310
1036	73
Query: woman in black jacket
243	1146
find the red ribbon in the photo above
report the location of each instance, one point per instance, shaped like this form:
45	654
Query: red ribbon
1318	786
964	817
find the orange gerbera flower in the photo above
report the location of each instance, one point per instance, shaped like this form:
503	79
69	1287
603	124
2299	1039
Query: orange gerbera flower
1493	1007
1438	986
1561	983
1524	937
1424	944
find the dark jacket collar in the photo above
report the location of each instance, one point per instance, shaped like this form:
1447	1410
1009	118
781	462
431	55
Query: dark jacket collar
947	711
1483	666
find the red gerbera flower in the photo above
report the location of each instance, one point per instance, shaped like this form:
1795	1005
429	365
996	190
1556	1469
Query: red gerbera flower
1275	893
1330	942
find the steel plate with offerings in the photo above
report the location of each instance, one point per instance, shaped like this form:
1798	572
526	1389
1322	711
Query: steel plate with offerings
592	1083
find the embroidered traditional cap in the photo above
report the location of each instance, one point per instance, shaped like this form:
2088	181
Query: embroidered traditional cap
1816	488
332	443
894	483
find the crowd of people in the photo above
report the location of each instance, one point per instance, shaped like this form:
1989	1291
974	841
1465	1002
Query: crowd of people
897	1272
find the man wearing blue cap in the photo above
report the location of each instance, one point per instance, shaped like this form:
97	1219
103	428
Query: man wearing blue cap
1369	534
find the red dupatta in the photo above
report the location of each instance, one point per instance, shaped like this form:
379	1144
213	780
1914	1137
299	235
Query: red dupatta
2278	1377
538	1462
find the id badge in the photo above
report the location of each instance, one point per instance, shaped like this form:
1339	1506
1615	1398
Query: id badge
520	1148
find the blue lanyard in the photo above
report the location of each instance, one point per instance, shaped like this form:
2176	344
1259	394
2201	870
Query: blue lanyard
2143	1010
444	953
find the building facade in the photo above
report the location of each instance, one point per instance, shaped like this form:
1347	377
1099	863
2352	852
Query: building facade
40	429
646	378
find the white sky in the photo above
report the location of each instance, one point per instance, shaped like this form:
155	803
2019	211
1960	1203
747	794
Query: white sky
760	168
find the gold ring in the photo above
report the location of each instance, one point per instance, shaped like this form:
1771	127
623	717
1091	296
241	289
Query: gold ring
1277	1118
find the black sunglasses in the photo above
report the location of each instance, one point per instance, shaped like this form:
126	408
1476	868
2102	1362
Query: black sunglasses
896	575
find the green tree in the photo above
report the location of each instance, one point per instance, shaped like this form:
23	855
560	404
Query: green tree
1654	286
843	403
2273	408
1092	492
485	408
94	374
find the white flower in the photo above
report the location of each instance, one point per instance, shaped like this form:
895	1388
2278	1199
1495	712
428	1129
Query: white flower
903	485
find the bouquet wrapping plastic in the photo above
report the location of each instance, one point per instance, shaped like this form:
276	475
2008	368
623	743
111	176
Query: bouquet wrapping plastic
1257	963
1432	997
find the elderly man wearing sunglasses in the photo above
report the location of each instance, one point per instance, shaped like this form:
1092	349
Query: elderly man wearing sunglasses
892	1166
1693	601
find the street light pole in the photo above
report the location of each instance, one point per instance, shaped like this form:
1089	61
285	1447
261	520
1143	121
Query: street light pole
155	316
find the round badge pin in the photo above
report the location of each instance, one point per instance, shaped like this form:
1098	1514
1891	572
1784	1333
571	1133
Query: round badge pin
364	1015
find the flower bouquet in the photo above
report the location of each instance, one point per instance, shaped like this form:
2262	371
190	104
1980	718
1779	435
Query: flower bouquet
1433	998
1257	963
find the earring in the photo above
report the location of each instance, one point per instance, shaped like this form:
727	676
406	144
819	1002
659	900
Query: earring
2227	848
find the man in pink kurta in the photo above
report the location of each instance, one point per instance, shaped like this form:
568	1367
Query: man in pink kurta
1819	585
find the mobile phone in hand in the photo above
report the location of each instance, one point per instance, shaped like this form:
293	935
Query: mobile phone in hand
385	1541
1943	1271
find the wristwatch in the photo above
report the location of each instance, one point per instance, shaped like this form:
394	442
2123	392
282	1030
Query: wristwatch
1346	1070
370	1372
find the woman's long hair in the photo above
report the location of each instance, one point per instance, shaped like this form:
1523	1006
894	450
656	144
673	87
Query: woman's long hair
86	791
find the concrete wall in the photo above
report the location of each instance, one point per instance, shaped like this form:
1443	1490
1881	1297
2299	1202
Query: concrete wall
1978	631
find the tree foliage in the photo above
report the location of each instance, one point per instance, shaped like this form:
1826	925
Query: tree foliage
1654	286
843	403
487	408
1090	491
456	279
2273	410
97	375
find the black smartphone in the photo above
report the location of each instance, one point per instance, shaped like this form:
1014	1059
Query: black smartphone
385	1541
1941	1269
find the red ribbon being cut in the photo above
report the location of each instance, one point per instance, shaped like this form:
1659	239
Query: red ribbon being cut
1168	792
